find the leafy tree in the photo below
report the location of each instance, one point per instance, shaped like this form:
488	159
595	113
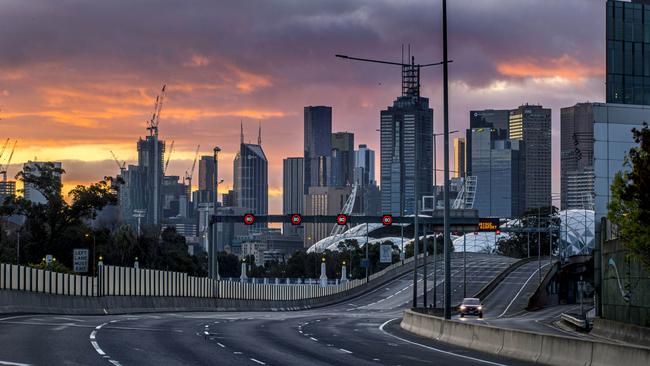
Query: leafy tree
629	207
55	227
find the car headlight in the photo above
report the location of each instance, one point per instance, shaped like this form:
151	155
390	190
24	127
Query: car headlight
462	307
480	308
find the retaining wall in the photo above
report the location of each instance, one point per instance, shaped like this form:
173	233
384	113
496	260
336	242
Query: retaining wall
523	345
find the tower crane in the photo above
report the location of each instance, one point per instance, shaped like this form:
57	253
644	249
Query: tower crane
4	147
122	165
188	176
3	171
152	124
171	150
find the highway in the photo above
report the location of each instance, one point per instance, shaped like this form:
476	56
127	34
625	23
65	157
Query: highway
364	331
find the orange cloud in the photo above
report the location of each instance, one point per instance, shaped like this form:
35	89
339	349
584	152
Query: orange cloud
565	67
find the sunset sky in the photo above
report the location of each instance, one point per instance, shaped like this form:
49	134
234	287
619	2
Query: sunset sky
79	78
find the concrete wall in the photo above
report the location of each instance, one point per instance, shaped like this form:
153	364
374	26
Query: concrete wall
631	279
527	346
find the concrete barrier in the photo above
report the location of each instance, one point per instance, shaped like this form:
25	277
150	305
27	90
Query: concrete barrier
523	345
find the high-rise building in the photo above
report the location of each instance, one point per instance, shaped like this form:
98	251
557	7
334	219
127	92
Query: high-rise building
151	153
292	191
206	179
406	146
498	167
34	167
364	165
628	42
577	156
251	178
498	119
323	201
459	158
343	148
229	199
317	145
175	202
612	141
532	125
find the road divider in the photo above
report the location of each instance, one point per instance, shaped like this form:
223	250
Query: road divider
524	345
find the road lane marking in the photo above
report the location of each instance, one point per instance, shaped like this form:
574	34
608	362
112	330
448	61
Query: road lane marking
345	350
313	339
436	349
96	347
115	362
258	361
521	289
13	363
221	345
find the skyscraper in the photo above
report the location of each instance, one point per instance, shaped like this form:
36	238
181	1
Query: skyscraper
498	167
459	158
364	165
292	191
343	143
532	125
251	178
577	156
406	146
151	153
317	145
628	42
498	119
206	179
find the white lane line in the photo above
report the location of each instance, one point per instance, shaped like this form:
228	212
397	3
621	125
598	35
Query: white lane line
220	345
258	361
381	327
521	289
13	363
345	350
92	335
236	353
96	347
313	339
115	362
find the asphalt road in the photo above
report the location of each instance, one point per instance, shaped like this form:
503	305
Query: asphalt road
364	331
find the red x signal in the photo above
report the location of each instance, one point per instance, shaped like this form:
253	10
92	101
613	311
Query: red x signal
342	219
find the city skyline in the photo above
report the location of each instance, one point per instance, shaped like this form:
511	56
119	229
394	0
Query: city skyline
214	82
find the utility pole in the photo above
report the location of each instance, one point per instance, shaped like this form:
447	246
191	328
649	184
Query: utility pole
445	77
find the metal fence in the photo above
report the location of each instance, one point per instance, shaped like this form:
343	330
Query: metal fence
128	281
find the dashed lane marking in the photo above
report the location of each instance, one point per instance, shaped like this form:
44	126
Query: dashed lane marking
258	361
345	350
8	363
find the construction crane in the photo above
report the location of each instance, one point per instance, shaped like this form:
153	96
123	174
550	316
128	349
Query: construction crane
4	147
171	150
152	124
3	171
122	165
188	176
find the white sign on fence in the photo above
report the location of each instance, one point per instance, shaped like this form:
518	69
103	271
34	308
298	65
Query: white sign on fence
385	253
80	259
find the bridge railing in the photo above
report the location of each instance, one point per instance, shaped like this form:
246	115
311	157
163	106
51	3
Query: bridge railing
128	281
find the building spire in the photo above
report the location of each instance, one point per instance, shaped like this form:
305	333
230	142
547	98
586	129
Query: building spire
259	134
241	133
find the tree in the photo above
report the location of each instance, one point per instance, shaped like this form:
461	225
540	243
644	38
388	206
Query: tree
629	207
56	226
516	243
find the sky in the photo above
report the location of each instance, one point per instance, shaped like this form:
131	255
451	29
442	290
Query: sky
79	78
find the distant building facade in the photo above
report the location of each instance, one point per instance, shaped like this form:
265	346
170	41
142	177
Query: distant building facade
323	201
343	147
317	145
459	158
577	156
532	125
292	192
406	131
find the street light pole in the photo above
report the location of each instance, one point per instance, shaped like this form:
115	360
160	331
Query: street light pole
445	77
